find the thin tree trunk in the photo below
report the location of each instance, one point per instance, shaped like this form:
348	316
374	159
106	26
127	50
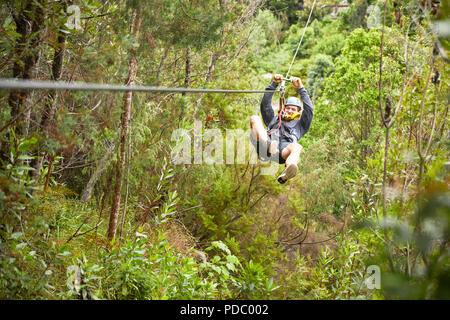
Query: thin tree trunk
187	68
212	66
419	135
106	192
49	173
124	132
124	213
433	125
29	19
386	153
187	76
49	105
161	63
209	74
58	58
29	24
386	123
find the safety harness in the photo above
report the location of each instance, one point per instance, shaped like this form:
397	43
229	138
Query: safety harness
282	112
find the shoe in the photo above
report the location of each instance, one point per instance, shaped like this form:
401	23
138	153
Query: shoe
288	173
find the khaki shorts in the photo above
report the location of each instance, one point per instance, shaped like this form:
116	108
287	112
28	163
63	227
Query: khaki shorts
261	149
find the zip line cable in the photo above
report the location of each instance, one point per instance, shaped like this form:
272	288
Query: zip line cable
282	89
20	84
25	84
299	44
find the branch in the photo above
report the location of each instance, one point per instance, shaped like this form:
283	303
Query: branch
433	126
381	71
419	140
76	232
98	16
81	234
265	193
191	208
389	122
186	14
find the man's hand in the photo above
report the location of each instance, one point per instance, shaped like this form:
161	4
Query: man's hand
277	78
296	82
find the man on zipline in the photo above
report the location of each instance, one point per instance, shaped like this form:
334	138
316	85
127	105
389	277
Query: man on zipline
280	141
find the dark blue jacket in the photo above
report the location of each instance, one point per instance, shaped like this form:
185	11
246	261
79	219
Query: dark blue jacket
290	130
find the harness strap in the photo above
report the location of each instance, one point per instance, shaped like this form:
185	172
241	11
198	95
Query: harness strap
282	101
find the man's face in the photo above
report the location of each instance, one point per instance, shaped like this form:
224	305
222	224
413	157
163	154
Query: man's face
290	109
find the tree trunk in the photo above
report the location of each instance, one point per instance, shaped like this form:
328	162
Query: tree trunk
161	64
124	132
420	145
49	105
127	185
211	67
386	235
29	24
29	20
387	125
58	58
187	74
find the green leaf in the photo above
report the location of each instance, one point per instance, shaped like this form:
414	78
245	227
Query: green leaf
21	245
232	259
25	145
230	266
7	21
221	245
141	235
16	235
25	157
25	168
64	254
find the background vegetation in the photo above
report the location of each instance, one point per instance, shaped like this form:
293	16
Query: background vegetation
93	207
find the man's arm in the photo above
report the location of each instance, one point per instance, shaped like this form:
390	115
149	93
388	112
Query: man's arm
266	102
308	108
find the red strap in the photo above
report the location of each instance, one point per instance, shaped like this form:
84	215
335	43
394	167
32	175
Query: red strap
282	106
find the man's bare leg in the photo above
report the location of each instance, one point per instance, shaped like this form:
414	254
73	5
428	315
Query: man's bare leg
258	131
292	156
292	153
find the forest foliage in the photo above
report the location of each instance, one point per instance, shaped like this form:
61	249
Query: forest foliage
93	206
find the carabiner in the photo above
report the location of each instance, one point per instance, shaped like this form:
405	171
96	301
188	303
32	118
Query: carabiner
282	87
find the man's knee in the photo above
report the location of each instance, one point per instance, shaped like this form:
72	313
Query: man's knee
254	120
294	147
298	147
